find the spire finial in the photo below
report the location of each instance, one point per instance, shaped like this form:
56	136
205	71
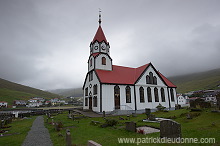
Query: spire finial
100	21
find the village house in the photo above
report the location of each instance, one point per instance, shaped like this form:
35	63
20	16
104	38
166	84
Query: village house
3	104
109	87
182	100
20	102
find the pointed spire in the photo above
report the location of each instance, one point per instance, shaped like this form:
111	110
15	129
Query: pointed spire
100	21
99	36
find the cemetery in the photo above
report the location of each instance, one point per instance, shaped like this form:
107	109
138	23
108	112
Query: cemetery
71	127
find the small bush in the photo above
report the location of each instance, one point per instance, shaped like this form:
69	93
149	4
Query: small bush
111	122
160	107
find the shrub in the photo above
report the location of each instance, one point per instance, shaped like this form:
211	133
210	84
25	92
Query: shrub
111	122
160	107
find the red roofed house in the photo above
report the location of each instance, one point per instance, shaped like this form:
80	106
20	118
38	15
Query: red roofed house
109	87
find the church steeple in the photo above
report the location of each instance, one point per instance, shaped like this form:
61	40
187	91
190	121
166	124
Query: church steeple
99	51
99	43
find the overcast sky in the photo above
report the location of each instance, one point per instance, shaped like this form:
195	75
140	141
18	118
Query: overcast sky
45	43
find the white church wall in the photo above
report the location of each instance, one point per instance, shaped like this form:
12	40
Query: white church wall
109	101
107	97
90	85
98	62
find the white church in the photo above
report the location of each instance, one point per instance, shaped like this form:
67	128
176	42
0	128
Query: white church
109	87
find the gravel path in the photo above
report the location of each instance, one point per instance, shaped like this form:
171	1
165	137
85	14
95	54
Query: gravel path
38	135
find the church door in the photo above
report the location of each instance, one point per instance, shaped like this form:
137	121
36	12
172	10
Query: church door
90	102
117	97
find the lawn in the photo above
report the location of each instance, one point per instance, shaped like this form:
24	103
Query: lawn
17	132
206	124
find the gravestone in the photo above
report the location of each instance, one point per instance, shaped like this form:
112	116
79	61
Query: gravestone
103	114
147	111
68	138
131	126
170	129
151	117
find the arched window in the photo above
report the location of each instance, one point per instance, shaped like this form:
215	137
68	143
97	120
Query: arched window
95	101
95	89
155	80
117	97
156	94
149	96
172	94
90	62
86	92
148	79
162	95
141	90
86	101
151	77
103	61
128	94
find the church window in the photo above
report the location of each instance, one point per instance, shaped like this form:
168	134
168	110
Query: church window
90	62
141	90
103	61
148	79
86	91
86	101
149	96
162	94
95	101
117	90
156	94
155	80
151	77
95	89
172	94
128	94
90	76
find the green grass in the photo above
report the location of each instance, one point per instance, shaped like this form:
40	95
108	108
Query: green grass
198	127
21	127
11	95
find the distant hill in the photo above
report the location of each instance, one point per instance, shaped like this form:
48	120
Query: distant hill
197	81
10	91
74	92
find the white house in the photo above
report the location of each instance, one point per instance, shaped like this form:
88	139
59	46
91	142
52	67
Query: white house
3	104
182	100
109	87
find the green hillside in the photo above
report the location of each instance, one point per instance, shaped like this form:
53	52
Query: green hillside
10	91
197	81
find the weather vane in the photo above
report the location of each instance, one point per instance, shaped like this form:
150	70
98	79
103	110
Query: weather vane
100	16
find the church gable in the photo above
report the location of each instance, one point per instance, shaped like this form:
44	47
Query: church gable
150	77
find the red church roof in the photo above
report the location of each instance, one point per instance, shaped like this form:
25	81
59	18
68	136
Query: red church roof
121	74
99	36
126	75
168	83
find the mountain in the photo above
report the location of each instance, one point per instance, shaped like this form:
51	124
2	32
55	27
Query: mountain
10	91
74	92
197	81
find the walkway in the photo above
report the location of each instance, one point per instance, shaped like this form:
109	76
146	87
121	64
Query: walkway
38	135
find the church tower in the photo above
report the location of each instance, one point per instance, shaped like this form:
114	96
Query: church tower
99	51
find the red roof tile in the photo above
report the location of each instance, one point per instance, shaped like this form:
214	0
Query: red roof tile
168	83
95	54
126	75
120	74
99	36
